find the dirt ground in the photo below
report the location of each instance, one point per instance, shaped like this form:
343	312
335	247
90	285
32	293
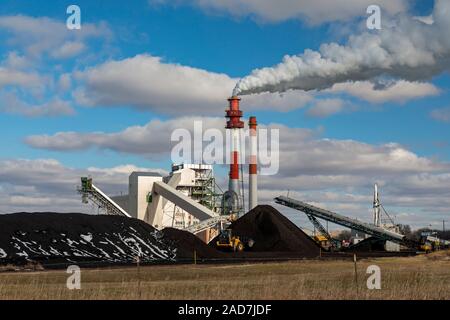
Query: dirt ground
420	277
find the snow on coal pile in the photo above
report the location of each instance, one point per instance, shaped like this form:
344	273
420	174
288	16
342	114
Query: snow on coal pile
273	232
52	238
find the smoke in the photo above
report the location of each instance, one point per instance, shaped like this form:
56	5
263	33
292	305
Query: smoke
410	49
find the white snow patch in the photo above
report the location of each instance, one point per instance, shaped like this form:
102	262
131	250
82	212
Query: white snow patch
87	237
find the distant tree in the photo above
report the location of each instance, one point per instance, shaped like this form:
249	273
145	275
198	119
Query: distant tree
405	229
344	235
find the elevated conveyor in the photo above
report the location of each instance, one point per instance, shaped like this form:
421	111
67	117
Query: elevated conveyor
89	191
206	224
341	220
181	200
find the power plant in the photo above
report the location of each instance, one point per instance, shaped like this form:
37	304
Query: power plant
185	217
189	199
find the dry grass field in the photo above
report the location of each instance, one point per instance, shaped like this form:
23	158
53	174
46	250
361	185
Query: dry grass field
421	277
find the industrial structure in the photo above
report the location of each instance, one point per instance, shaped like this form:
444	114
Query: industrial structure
188	198
181	200
253	165
353	224
233	198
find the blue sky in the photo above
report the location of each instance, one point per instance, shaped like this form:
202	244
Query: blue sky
215	40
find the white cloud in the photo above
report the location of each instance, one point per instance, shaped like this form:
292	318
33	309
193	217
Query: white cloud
313	12
69	49
38	35
442	114
409	49
148	83
48	185
11	77
399	91
64	82
301	150
326	107
10	103
15	61
151	140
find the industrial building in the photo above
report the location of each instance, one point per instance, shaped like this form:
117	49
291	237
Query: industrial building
189	198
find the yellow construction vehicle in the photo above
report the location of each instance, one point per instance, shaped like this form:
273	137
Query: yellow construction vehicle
229	241
322	240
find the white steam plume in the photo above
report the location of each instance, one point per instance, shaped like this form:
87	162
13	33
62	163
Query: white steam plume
411	50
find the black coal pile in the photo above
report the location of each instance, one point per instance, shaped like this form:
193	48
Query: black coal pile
187	243
61	238
368	245
273	232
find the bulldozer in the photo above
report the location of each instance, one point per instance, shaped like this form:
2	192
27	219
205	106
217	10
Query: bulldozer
227	240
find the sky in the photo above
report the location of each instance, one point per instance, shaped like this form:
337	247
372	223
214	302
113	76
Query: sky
104	100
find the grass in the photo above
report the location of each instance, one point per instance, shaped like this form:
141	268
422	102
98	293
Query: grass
421	277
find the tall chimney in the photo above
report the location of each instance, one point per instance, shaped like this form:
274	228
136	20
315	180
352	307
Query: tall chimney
234	123
252	168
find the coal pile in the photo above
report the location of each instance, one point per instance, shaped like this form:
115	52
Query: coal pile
368	245
187	243
61	238
273	233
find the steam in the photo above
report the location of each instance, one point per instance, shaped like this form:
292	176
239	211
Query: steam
411	50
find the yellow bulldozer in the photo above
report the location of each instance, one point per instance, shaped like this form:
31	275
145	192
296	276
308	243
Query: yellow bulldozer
228	241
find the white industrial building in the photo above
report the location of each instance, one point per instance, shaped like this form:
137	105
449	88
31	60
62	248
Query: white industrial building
151	200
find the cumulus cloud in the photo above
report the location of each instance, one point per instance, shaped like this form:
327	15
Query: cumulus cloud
410	50
326	107
40	35
48	185
398	91
27	89
15	61
442	115
10	103
148	83
313	12
151	140
12	77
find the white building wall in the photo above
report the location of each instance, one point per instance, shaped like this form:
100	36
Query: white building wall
140	185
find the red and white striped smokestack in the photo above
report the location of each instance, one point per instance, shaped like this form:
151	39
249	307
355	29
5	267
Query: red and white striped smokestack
252	168
235	124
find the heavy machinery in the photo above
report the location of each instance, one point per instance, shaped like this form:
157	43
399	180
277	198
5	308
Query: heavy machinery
228	241
429	242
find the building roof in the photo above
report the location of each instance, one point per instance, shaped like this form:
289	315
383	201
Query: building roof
146	174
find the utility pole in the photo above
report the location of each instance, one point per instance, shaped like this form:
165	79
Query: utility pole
443	225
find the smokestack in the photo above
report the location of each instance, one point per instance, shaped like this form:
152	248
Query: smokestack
252	168
234	123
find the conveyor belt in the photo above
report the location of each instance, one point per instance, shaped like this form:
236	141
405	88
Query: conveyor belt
89	191
341	220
